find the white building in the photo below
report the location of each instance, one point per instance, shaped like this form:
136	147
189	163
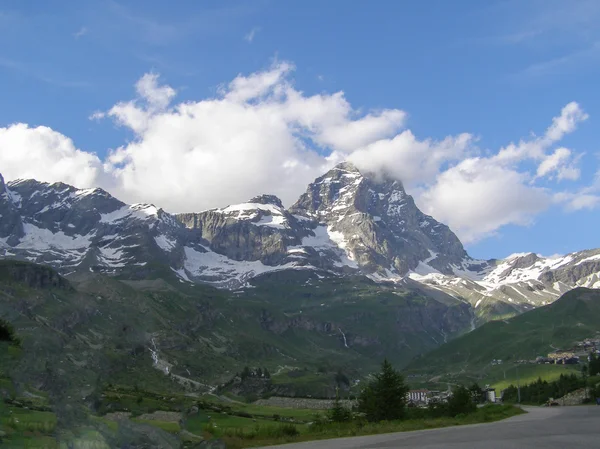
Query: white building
490	394
419	396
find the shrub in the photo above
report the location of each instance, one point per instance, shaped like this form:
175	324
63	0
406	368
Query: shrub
264	431
289	430
7	333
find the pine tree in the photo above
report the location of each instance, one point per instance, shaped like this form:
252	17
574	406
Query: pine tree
461	401
341	379
476	393
594	365
266	373
259	373
384	398
245	373
338	413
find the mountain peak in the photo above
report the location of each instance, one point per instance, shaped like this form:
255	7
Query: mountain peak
346	166
267	199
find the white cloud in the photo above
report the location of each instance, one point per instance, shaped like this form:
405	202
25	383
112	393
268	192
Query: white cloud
80	33
558	162
413	161
260	134
251	34
577	201
565	123
45	155
477	197
587	197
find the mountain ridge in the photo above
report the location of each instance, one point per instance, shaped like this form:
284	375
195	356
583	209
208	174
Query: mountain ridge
346	222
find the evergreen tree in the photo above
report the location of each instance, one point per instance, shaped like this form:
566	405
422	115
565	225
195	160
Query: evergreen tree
266	373
461	401
384	398
338	413
594	365
259	373
245	373
476	393
341	379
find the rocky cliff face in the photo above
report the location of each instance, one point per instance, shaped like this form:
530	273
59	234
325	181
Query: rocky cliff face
258	230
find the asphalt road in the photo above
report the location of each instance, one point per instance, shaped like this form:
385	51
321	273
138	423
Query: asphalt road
542	427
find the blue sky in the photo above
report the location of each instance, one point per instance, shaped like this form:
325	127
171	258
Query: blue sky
497	70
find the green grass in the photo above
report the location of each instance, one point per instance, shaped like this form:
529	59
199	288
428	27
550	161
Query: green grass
276	434
167	426
27	428
527	374
30	442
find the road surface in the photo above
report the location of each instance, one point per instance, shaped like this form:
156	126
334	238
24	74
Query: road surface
542	427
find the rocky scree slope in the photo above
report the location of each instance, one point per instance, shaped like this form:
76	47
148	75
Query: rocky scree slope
347	222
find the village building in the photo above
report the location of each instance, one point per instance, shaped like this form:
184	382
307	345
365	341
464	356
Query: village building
417	397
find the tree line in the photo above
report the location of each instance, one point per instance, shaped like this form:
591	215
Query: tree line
541	391
385	398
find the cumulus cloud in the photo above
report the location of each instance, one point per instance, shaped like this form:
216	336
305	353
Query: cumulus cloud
477	197
415	162
260	134
559	162
45	155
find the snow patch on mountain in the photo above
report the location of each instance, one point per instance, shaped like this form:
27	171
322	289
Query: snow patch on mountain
273	221
215	268
267	214
588	259
14	197
114	257
325	238
165	243
43	239
507	273
139	211
423	270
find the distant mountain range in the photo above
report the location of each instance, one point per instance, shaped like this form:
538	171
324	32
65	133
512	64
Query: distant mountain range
347	223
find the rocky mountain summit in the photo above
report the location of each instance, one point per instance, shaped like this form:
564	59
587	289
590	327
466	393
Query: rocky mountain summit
377	223
347	222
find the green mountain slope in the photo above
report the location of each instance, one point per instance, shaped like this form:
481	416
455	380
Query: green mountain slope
162	334
573	317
